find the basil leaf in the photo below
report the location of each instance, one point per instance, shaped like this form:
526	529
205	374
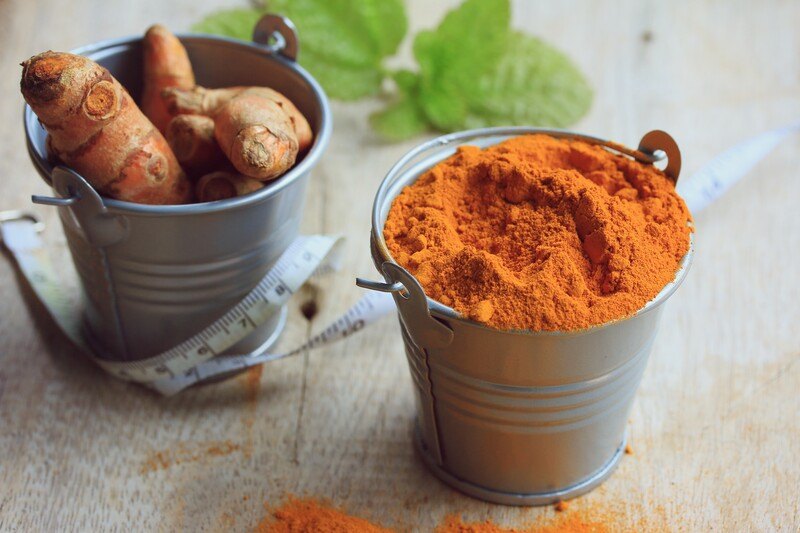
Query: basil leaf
404	118
343	42
454	56
236	23
532	84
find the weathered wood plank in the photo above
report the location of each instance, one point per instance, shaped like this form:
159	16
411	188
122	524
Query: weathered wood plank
715	430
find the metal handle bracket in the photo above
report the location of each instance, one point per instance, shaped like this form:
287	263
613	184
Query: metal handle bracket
657	141
99	226
278	35
425	331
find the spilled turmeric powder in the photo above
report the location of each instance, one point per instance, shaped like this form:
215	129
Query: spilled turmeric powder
187	452
310	516
538	233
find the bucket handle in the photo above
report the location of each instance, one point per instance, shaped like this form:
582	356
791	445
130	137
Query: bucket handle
100	227
425	331
278	35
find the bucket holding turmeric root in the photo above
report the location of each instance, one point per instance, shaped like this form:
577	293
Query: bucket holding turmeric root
529	269
151	275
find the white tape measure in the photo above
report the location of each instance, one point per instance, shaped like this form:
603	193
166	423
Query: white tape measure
196	359
371	307
724	170
293	268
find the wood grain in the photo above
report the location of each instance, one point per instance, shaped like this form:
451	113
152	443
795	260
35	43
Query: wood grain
715	429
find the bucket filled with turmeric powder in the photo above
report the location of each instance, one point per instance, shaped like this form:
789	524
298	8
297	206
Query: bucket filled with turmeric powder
179	166
529	268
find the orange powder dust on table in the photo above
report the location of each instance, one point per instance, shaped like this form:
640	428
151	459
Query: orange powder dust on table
538	233
187	453
574	523
311	516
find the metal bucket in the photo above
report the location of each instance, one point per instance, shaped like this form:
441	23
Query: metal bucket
153	276
516	417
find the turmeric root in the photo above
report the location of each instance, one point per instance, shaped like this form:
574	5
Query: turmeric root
96	128
222	185
257	136
191	137
202	101
166	64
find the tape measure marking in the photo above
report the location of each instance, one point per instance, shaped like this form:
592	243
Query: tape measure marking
293	268
371	307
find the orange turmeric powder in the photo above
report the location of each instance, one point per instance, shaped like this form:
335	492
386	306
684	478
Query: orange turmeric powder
538	233
310	516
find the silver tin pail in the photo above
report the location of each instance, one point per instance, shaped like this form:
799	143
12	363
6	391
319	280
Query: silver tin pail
153	276
520	418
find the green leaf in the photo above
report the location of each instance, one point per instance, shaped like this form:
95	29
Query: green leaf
236	23
406	80
344	82
400	121
404	118
532	84
343	42
455	55
473	70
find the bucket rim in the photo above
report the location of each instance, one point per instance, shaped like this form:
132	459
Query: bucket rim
405	165
271	188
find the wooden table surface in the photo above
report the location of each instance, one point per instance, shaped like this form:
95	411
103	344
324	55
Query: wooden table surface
715	429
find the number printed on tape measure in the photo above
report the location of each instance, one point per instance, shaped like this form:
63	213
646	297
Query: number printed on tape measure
371	307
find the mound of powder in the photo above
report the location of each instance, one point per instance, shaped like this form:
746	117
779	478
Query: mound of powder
538	233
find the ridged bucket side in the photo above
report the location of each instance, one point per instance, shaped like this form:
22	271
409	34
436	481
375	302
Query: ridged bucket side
99	302
510	438
423	395
528	440
200	267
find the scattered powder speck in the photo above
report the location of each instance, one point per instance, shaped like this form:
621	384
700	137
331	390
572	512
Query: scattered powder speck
252	382
628	449
187	453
